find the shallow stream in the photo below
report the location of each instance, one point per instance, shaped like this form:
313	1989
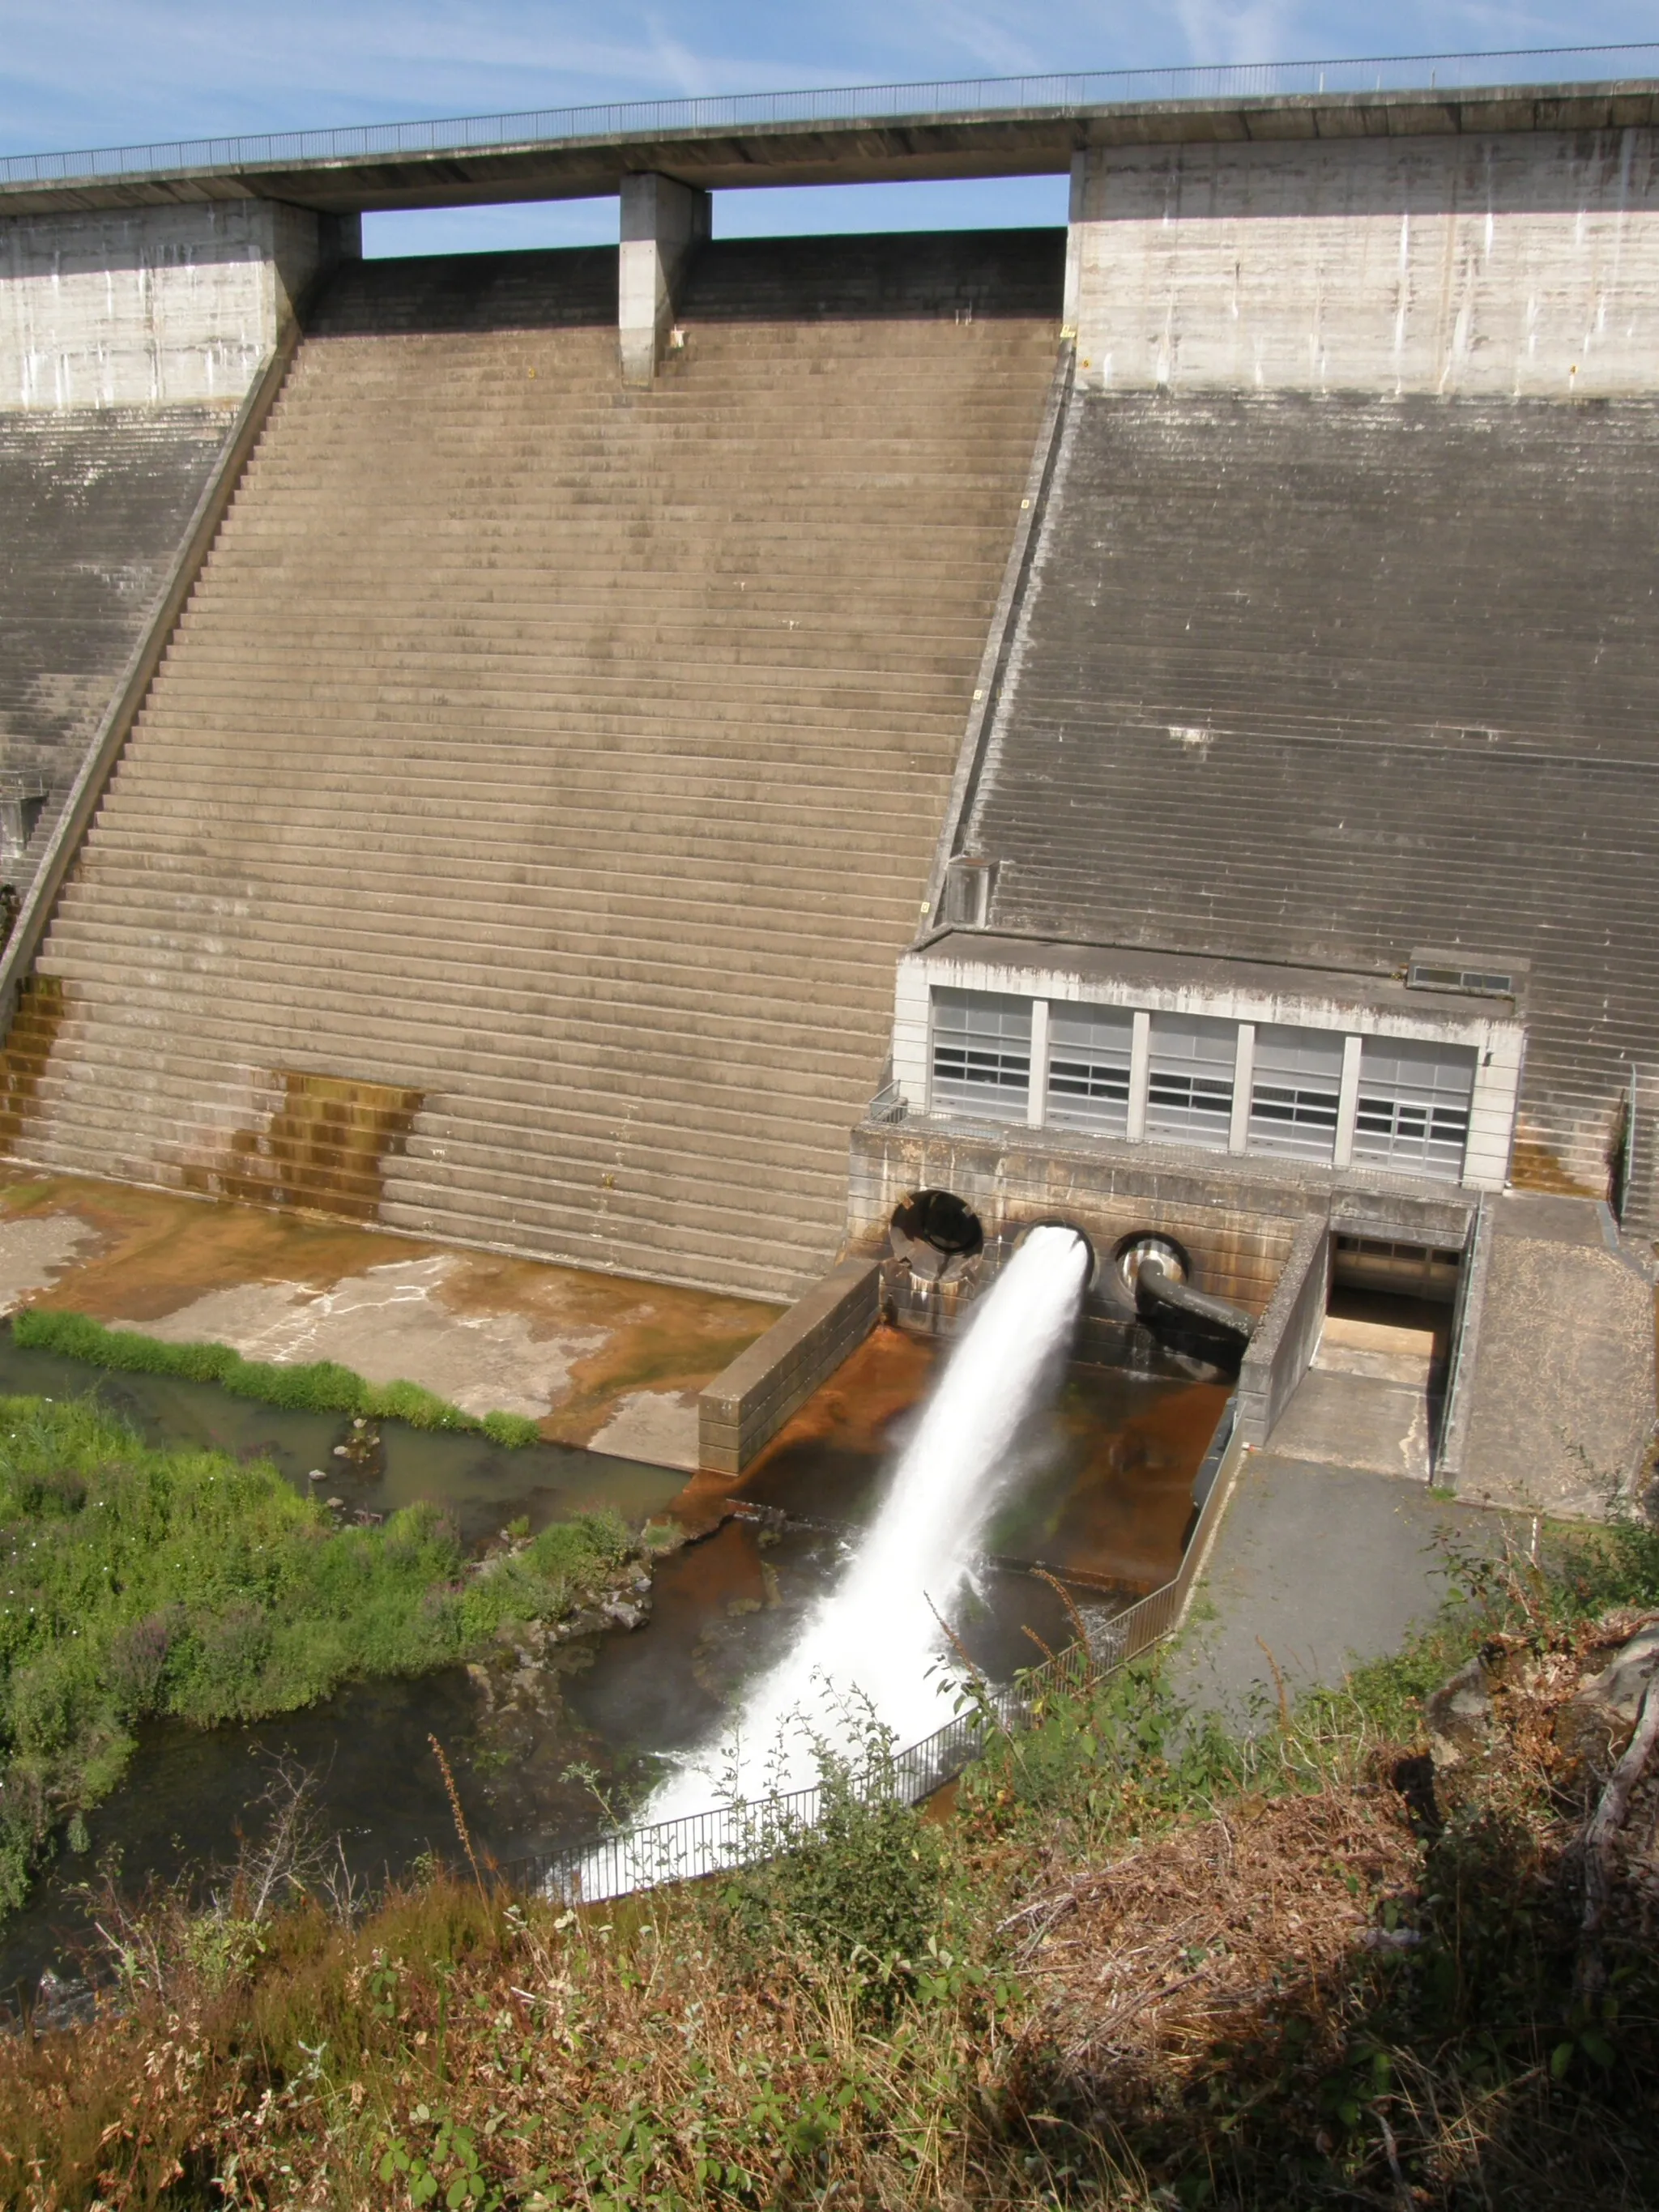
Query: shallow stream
1108	1476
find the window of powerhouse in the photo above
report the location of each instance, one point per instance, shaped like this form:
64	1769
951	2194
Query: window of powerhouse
1198	1086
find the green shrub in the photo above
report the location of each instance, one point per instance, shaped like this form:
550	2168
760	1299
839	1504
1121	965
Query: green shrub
320	1387
570	1547
136	1581
860	1888
513	1430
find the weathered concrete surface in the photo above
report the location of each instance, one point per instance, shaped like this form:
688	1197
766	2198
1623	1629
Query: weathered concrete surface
1358	1421
1563	1402
743	1408
1525	265
1287	1336
35	1252
1236	1216
388	1323
153	306
1370	1399
600	1360
658	1426
97	502
662	225
1314	1567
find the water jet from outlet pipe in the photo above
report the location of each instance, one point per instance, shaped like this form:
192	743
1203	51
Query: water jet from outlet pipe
877	1635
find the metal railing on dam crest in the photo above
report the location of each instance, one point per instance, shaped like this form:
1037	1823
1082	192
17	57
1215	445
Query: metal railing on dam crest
1058	93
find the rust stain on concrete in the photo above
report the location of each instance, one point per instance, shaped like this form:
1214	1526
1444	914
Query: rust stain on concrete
1534	1166
34	1027
156	1254
324	1148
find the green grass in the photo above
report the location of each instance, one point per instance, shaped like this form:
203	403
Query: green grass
135	1583
876	2019
321	1386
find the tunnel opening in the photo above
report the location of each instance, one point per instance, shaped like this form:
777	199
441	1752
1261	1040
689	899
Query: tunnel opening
937	1235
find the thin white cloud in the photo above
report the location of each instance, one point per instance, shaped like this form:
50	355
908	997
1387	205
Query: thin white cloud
1238	30
95	72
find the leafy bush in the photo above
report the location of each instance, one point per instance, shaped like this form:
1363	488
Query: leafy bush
860	1888
320	1387
136	1581
136	1665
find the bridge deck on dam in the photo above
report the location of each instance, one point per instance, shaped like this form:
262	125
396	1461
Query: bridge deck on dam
95	501
518	840
1324	680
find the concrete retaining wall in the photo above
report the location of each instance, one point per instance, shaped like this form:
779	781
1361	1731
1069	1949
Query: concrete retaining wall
743	1408
1525	264
1559	1375
153	306
1283	1345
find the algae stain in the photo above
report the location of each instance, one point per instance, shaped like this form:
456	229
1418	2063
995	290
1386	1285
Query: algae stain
324	1149
1534	1166
40	1010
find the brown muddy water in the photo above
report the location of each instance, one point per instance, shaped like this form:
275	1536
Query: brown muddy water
1104	1487
544	1751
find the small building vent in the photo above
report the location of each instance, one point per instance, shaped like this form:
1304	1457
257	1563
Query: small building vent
1457	971
968	888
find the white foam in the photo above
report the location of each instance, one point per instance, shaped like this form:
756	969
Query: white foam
877	1636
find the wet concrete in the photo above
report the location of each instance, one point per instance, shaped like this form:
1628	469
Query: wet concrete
599	1360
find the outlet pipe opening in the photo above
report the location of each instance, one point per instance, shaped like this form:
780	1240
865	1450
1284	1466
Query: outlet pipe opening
936	1234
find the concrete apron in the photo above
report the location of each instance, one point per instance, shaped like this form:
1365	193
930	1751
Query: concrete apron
1367	1401
602	1361
1317	1566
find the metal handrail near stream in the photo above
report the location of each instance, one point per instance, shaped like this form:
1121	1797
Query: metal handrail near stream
726	1836
1061	92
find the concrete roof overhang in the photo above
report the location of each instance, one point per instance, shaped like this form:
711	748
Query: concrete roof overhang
979	142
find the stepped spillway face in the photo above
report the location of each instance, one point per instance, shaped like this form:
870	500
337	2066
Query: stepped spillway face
95	502
1321	681
518	839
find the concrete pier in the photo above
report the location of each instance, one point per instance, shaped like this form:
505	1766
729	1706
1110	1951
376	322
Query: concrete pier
662	225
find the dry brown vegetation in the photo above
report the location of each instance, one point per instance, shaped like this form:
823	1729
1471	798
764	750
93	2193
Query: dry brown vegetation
1141	1966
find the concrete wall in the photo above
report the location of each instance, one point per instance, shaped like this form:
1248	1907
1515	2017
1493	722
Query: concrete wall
1283	1345
1237	1219
1238	1241
743	1408
1525	264
154	305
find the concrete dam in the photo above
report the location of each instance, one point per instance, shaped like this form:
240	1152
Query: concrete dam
650	759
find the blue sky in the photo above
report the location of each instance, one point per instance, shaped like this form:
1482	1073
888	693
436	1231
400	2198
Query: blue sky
78	73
